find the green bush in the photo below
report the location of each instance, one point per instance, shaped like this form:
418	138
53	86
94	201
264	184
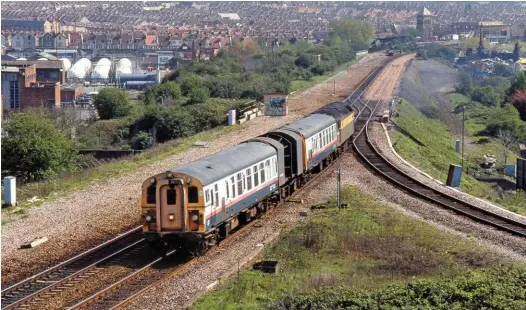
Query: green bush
174	123
33	147
485	289
190	82
112	103
198	95
141	141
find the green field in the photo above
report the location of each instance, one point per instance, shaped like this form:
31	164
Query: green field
436	153
368	256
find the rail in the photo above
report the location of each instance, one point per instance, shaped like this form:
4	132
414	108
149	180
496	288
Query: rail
366	150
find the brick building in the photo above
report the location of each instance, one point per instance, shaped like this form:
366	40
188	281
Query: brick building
31	84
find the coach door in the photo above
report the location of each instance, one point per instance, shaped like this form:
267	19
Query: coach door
171	207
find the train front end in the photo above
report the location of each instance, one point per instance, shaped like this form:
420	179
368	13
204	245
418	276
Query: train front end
173	210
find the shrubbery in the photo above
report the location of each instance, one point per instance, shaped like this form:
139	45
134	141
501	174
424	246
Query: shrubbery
112	103
485	289
34	148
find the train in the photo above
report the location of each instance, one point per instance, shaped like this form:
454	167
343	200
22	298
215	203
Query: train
196	205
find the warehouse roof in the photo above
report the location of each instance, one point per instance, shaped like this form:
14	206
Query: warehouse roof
49	64
222	164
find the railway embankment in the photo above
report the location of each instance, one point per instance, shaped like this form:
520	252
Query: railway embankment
84	218
426	115
365	255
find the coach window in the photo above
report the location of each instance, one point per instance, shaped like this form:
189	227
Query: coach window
217	195
227	189
239	184
212	196
262	171
170	196
267	168
207	196
193	194
256	176
233	181
249	180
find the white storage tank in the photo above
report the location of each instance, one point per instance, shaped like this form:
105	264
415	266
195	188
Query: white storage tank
80	69
102	69
67	63
124	66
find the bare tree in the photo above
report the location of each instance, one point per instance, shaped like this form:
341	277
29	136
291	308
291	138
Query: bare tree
507	139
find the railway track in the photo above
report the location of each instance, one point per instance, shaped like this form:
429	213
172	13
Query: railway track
46	283
368	153
145	273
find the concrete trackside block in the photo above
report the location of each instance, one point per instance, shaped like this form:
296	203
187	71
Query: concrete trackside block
34	243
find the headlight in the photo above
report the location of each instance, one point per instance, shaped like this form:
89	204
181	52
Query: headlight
148	218
171	217
195	218
189	180
152	180
169	175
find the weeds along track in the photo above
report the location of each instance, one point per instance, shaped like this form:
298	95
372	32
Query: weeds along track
370	155
64	284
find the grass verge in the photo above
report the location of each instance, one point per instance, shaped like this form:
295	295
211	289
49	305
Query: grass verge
436	153
352	256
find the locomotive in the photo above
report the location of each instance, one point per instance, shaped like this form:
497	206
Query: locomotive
196	205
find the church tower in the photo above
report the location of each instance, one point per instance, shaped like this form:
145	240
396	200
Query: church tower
424	23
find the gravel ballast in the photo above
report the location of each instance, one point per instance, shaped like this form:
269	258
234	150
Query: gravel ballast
82	219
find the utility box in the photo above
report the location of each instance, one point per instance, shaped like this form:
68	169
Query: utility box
10	191
509	170
454	176
276	104
457	146
231	117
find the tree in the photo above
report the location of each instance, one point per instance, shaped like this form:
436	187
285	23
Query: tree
518	100
518	84
486	95
466	85
141	141
190	82
112	103
33	147
303	61
357	33
198	95
507	139
174	123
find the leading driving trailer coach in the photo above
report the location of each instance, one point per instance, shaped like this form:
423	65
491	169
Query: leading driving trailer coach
196	205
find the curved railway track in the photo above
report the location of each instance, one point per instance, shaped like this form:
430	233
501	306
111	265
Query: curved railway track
146	271
368	153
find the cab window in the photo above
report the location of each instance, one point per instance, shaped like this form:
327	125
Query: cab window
150	194
193	194
170	196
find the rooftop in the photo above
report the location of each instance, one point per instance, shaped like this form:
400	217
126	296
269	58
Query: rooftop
48	64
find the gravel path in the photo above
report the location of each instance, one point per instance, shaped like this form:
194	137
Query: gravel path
81	219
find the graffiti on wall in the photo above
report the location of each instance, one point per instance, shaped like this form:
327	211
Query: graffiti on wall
276	104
